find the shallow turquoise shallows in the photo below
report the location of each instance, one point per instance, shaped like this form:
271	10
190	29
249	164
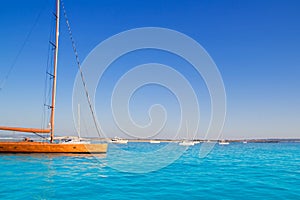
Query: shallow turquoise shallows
236	171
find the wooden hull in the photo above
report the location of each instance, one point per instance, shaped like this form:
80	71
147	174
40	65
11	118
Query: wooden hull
43	147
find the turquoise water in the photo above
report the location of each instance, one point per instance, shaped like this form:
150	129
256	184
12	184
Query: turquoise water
247	171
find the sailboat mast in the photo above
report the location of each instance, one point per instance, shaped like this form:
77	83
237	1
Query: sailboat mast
54	72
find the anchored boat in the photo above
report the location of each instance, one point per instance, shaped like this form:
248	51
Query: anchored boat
50	146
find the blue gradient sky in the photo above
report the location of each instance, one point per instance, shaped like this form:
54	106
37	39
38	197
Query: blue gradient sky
255	44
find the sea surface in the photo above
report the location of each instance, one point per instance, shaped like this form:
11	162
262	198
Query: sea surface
234	171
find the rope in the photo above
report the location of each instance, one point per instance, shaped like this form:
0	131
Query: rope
48	82
79	68
12	66
40	136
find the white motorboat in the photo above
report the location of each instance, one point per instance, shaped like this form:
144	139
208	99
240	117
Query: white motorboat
187	143
154	141
223	142
118	140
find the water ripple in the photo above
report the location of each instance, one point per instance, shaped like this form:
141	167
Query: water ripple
248	171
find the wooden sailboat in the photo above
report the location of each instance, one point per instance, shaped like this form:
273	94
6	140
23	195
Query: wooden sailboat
29	146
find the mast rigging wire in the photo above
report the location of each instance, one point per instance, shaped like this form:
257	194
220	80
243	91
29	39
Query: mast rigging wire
48	82
12	66
79	68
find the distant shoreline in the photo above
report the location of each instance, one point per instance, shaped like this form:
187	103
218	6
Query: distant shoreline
233	141
202	141
266	140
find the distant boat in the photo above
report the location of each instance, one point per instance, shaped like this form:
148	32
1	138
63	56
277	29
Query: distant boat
118	140
50	146
223	142
245	142
187	143
74	140
154	141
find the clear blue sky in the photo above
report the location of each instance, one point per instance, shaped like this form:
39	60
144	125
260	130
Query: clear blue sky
255	44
